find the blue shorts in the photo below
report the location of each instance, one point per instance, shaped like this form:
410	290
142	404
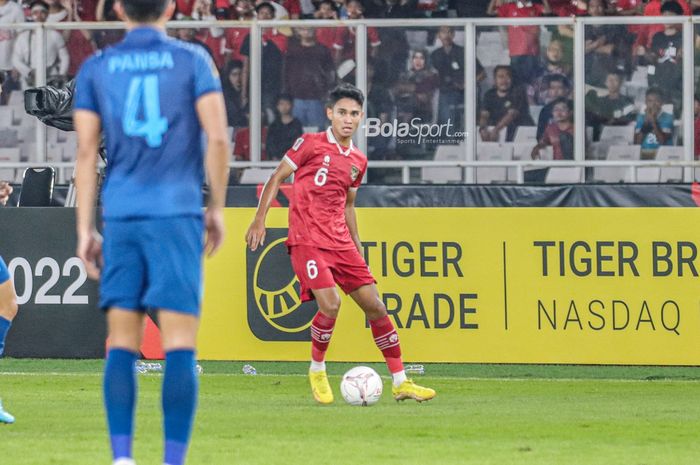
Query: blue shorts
4	274
153	263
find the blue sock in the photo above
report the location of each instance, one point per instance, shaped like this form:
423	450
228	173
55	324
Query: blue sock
180	388
4	328
120	400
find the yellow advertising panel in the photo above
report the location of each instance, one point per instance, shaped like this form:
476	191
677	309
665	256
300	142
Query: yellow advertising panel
493	285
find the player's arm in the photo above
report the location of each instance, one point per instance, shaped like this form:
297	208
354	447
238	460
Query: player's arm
255	236
88	127
351	218
212	116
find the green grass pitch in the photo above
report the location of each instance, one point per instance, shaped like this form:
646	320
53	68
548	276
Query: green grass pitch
483	414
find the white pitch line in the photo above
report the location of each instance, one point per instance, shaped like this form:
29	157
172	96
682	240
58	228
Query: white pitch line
448	378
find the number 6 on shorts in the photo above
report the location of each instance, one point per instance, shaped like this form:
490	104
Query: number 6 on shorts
311	269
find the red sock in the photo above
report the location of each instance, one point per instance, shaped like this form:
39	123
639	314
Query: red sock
321	332
387	341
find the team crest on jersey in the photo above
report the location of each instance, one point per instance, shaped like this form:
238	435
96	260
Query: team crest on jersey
354	172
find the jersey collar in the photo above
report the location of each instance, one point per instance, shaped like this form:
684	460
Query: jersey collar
141	34
332	140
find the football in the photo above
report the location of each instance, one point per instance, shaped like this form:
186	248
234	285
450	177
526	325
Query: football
361	386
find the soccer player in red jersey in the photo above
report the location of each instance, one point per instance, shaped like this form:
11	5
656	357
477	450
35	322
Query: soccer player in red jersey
324	243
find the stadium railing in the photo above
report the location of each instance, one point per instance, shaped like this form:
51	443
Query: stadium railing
468	27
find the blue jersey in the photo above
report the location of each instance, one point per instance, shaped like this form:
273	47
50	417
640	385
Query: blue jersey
144	90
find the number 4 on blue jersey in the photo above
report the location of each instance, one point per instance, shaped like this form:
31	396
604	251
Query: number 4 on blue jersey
153	126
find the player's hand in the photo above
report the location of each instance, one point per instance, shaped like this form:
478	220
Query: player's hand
90	252
214	222
255	236
5	191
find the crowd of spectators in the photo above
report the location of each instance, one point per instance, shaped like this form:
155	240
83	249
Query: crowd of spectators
414	74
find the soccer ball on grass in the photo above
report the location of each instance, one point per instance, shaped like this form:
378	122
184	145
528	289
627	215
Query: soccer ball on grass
361	386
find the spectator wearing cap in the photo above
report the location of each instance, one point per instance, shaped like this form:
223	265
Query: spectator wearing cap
309	74
25	56
10	13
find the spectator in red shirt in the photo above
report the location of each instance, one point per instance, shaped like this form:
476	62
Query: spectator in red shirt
244	11
523	41
560	133
326	35
345	36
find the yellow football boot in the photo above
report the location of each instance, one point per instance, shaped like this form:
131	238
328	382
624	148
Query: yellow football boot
320	387
410	390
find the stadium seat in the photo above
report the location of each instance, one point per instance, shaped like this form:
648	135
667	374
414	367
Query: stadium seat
564	175
310	129
5	117
535	111
493	151
617	135
526	134
9	155
16	99
521	151
501	135
445	174
618	173
255	175
670	153
37	187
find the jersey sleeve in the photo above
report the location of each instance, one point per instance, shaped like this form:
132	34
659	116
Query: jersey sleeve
666	123
300	152
85	97
206	76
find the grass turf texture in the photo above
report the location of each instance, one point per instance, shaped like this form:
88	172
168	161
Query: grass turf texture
484	414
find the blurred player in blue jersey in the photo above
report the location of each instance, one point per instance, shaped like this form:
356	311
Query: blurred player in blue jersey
151	96
8	300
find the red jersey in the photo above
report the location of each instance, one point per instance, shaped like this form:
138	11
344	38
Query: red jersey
324	172
522	40
345	40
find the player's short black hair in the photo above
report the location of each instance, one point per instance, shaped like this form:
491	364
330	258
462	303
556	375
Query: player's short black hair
672	7
345	90
144	11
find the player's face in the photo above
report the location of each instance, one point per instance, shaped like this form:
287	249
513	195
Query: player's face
345	116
